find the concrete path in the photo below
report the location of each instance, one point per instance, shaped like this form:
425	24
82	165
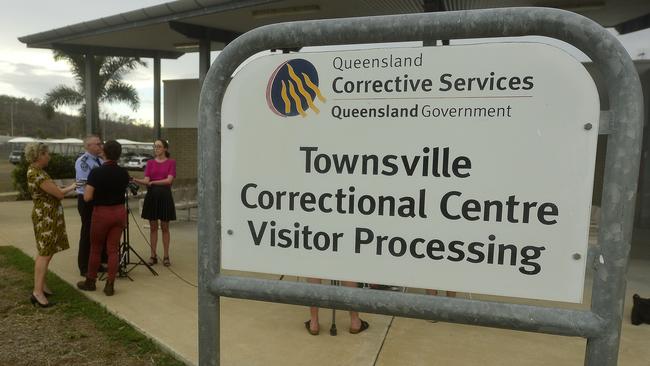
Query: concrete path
255	333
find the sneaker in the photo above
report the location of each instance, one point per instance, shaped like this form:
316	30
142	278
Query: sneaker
109	289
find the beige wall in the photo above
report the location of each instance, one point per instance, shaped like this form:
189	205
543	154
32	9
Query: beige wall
182	146
181	101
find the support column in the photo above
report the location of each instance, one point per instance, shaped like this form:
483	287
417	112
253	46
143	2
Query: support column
204	59
209	229
92	113
156	98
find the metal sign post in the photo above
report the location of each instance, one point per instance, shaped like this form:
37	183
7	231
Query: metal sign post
601	325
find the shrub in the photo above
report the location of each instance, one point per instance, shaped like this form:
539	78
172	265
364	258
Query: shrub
59	167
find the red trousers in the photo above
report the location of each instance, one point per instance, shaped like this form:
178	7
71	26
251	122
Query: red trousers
106	227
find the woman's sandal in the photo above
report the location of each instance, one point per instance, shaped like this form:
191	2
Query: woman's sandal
153	260
364	326
166	262
312	332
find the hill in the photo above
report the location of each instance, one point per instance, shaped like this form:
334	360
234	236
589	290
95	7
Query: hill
29	119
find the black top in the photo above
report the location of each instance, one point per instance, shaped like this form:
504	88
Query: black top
109	181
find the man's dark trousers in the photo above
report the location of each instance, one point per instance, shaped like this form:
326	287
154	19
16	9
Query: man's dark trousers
85	210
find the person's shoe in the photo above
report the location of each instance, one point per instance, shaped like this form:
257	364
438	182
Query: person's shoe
308	326
109	288
35	302
87	285
153	260
166	262
364	326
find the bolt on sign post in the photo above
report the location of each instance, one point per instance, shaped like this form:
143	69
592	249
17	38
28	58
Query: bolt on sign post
465	168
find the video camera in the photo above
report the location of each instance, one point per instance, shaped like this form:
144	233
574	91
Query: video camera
133	187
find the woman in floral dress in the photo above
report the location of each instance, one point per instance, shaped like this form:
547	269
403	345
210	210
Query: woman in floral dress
47	217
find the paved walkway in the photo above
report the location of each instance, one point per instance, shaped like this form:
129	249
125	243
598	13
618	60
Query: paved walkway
255	333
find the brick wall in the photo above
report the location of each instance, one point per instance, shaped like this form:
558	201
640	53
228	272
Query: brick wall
182	147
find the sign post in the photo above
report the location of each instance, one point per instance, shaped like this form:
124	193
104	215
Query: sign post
434	168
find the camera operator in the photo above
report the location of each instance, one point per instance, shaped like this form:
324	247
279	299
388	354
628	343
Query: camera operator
106	187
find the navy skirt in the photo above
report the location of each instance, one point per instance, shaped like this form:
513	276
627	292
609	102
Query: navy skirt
159	204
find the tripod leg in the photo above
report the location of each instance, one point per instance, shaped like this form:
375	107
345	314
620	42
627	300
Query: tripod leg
126	249
142	261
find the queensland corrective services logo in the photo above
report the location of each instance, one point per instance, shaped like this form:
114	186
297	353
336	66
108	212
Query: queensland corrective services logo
293	89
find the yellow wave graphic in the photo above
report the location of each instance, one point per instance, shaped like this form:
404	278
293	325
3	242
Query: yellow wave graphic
296	98
285	99
301	89
313	87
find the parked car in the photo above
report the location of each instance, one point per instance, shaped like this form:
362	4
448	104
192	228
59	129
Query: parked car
124	158
137	162
16	156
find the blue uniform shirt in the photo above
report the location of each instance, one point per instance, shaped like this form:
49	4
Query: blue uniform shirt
84	164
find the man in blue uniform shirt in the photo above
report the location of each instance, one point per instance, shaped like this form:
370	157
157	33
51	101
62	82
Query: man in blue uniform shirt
84	164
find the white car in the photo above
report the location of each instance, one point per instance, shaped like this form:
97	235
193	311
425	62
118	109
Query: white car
137	162
15	157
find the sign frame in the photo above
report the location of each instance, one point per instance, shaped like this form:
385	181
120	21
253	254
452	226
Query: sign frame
600	325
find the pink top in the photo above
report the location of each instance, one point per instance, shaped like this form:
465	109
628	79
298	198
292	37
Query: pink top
157	171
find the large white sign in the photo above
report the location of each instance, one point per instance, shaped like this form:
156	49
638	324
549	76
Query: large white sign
464	168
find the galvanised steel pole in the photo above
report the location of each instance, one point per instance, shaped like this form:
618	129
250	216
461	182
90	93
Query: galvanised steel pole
601	325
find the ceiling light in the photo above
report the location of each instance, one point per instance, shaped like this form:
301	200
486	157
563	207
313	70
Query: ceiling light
186	45
278	12
584	6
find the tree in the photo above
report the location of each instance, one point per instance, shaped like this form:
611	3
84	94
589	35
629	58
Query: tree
110	86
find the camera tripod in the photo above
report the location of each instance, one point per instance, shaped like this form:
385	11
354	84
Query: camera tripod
126	250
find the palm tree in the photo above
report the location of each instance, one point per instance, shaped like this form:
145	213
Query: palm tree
110	86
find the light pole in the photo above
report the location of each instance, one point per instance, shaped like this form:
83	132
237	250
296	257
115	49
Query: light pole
12	117
11	113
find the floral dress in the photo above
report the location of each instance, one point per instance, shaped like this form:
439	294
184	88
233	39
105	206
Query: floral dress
47	215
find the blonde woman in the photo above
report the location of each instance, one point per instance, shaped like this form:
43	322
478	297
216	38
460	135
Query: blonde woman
47	217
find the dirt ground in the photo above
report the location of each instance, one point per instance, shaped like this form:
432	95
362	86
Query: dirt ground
53	336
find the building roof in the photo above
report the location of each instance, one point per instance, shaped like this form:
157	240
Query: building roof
168	30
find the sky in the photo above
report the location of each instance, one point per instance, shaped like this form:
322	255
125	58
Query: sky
30	73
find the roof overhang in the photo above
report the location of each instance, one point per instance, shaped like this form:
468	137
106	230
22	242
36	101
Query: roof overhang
171	29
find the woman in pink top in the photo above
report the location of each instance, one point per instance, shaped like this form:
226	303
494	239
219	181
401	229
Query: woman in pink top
159	203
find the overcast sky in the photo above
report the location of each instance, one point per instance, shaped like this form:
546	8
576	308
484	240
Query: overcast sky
31	73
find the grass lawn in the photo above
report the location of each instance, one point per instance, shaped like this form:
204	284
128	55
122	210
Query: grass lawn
76	331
